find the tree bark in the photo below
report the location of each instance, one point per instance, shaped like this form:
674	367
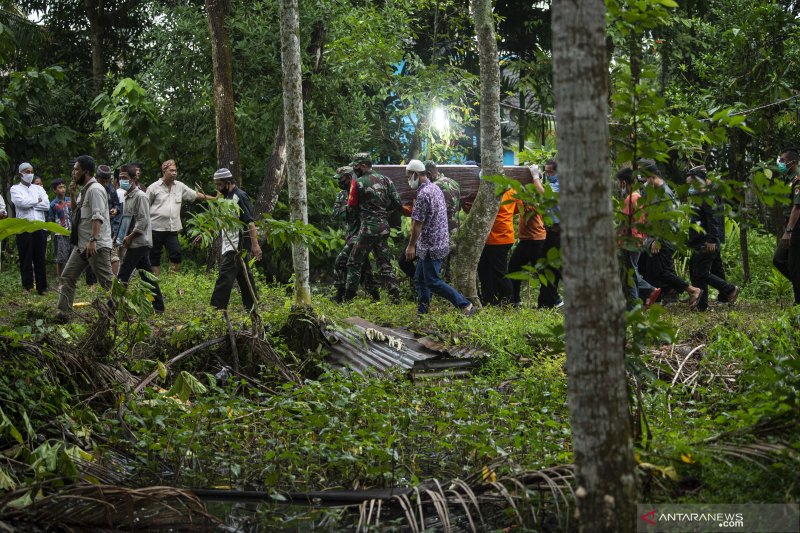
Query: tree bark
471	237
94	12
594	313
274	176
295	140
224	106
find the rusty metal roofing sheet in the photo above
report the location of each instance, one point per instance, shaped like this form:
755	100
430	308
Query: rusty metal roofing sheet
351	348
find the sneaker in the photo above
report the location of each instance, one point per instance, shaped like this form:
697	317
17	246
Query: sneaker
731	299
559	303
653	298
469	310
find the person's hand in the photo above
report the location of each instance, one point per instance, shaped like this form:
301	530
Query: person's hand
3	215
655	247
411	252
127	241
197	240
91	248
257	251
114	211
711	247
785	238
537	174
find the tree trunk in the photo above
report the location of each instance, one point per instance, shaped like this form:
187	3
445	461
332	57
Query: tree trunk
274	175
97	27
295	140
594	316
472	235
224	107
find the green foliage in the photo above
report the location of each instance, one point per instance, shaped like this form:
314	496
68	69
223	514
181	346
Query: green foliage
130	117
14	226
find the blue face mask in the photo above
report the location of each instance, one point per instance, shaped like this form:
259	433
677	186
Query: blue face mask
553	178
124	185
782	167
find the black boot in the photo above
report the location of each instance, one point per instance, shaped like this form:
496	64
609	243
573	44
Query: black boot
375	294
349	294
339	296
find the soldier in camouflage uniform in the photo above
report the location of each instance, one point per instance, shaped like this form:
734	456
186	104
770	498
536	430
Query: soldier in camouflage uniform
350	219
375	197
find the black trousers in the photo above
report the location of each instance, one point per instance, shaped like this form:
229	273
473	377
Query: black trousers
548	294
32	248
232	270
139	259
787	261
495	286
661	269
527	252
700	268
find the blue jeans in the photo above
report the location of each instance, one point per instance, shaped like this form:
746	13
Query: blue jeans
428	281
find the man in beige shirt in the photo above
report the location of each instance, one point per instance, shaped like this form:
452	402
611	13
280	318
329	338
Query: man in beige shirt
166	198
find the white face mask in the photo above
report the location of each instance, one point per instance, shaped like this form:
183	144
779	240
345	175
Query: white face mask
413	181
27	178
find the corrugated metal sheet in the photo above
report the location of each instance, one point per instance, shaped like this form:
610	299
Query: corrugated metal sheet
351	348
466	176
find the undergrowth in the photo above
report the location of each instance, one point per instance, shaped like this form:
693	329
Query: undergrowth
345	430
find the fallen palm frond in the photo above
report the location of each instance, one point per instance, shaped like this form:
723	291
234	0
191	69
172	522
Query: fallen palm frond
532	497
104	506
77	365
683	364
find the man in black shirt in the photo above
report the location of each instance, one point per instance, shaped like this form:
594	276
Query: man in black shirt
235	245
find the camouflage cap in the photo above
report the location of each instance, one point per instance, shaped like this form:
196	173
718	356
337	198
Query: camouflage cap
430	165
341	171
361	157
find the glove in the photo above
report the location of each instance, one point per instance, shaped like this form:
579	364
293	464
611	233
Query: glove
535	171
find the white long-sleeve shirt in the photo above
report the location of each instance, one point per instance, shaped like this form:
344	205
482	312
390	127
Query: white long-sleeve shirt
3	205
31	202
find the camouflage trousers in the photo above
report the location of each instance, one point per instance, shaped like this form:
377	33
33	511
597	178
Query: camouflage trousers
340	269
362	246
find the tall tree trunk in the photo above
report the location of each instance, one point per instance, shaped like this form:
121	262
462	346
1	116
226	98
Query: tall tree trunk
97	27
472	235
295	140
224	106
274	174
594	316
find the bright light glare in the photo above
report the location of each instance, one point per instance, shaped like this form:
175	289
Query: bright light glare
439	119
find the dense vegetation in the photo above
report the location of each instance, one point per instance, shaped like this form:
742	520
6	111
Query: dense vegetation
714	396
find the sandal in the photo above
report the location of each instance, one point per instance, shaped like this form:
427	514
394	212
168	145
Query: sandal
694	299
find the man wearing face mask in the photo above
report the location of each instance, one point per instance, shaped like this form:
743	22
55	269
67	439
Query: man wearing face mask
429	241
91	232
375	197
349	217
139	240
787	256
548	293
31	203
233	267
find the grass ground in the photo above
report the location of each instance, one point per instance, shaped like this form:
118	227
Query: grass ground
716	407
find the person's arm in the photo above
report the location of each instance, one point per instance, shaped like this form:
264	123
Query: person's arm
3	212
411	249
794	216
23	201
91	248
537	178
256	248
44	201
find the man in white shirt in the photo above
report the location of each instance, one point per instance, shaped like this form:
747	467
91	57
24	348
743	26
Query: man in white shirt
3	212
31	203
166	198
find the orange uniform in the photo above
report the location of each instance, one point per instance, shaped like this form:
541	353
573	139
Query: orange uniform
503	229
531	225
